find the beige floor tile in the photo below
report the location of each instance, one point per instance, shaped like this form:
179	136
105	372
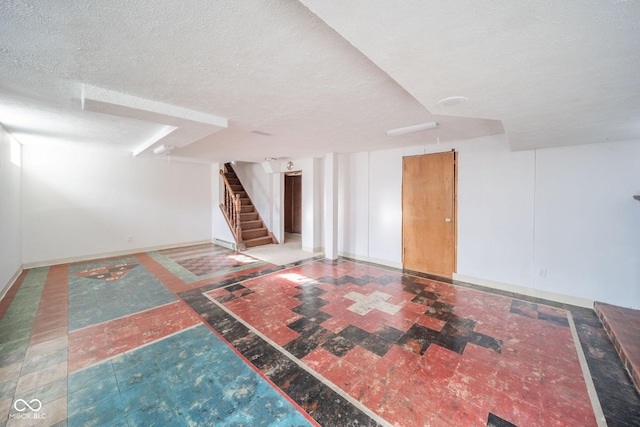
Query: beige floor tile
42	377
10	372
46	347
56	411
5	408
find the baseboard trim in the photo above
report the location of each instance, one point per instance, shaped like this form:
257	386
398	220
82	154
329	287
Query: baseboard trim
111	254
11	282
536	293
224	244
313	250
371	260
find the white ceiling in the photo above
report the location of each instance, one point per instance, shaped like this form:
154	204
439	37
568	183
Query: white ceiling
332	77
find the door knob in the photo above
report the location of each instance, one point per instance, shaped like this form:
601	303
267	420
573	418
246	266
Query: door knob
447	220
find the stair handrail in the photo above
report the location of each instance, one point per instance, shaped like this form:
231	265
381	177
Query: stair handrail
231	208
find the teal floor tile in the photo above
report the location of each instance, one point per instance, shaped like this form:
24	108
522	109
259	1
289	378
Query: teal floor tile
163	413
102	389
190	378
9	349
106	412
146	393
88	376
8	388
94	301
11	355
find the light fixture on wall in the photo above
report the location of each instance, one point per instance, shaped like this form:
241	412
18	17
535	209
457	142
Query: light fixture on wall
410	129
164	149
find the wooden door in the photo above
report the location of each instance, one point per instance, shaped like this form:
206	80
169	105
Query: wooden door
293	204
429	213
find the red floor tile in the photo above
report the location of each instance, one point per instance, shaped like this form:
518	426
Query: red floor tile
95	343
511	380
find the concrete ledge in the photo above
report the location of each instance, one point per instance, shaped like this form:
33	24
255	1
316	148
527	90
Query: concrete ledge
623	328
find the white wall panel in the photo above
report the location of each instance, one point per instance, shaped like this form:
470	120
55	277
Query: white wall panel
587	222
10	209
79	203
495	211
557	221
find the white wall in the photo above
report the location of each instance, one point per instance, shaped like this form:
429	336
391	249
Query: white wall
587	222
257	183
353	205
10	215
495	211
312	203
495	218
80	203
385	206
568	211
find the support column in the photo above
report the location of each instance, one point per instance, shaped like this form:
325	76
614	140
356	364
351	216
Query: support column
277	203
331	206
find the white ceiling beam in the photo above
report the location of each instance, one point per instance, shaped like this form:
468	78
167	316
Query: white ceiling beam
181	125
154	139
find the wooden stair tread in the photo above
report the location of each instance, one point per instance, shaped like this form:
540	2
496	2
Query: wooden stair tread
251	224
258	241
255	233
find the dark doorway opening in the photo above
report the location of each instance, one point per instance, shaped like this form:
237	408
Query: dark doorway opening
293	203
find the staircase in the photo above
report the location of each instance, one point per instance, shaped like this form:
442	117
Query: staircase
244	220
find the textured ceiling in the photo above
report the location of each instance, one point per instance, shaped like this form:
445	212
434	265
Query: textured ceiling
550	72
557	72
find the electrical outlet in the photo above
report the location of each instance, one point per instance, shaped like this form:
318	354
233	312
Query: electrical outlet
129	238
542	273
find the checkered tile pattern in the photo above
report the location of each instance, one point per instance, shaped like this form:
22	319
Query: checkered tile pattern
207	264
534	311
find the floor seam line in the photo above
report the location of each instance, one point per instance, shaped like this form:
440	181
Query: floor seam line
586	374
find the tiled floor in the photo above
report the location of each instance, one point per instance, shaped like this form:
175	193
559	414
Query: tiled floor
204	336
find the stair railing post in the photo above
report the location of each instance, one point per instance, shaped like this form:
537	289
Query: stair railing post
226	201
238	209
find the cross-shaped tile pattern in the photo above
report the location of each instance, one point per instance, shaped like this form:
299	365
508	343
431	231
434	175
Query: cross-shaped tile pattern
446	345
376	300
